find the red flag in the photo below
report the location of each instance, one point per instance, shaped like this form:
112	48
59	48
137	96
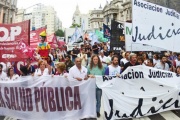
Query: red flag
52	40
14	37
26	49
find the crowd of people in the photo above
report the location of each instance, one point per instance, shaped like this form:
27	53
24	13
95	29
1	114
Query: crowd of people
91	60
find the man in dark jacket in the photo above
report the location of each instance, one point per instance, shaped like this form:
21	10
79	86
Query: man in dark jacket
68	63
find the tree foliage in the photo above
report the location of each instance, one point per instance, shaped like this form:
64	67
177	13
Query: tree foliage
59	33
75	25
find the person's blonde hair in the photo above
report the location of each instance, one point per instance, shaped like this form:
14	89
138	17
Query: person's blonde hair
61	66
40	62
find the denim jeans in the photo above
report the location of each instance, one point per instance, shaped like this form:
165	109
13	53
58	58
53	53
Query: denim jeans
98	99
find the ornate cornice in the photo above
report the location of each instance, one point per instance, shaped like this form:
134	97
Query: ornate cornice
126	3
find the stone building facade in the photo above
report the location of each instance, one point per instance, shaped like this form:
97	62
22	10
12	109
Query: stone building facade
8	9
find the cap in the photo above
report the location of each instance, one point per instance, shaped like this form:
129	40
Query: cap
43	34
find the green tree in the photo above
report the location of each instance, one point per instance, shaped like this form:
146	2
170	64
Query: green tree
74	25
59	33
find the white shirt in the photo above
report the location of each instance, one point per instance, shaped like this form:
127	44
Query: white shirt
14	78
74	72
38	72
83	58
103	59
4	66
113	71
145	62
108	60
124	60
3	76
51	56
177	63
155	61
161	66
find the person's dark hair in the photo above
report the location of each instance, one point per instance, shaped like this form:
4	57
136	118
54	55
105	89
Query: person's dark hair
82	46
110	52
147	57
1	65
68	56
178	67
24	70
99	62
8	71
161	56
140	58
115	56
49	61
126	53
157	56
62	58
151	61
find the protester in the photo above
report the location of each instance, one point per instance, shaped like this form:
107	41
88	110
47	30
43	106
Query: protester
30	68
78	71
95	49
61	69
23	71
132	61
111	53
162	64
3	75
150	63
55	57
96	68
83	57
156	59
88	52
74	53
43	68
145	58
177	61
140	60
103	58
68	63
11	75
114	69
61	58
177	71
51	52
4	68
106	52
51	63
173	56
124	60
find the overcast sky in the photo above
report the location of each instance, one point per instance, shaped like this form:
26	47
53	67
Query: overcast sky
64	8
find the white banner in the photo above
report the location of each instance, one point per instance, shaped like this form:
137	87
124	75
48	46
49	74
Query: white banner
46	98
155	25
130	46
140	91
